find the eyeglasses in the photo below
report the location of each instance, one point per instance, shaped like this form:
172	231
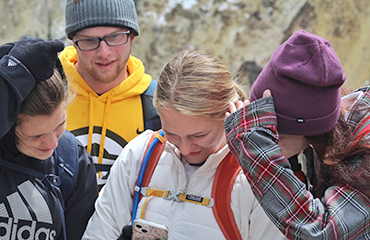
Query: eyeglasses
112	40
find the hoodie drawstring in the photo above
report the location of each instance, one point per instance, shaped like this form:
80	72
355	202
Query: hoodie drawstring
89	141
104	130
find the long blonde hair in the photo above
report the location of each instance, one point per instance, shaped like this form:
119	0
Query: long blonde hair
197	84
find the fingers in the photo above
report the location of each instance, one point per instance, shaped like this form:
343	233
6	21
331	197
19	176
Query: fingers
233	107
267	93
239	105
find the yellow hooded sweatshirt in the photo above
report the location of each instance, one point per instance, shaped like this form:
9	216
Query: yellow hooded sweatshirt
106	123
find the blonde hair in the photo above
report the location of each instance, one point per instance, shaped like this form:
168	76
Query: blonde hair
195	83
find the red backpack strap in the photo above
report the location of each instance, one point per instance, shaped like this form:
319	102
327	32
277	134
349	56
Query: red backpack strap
153	160
222	187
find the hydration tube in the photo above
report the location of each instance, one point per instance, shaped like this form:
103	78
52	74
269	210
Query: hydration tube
141	176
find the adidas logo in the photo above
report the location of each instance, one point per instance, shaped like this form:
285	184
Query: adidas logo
11	63
27	205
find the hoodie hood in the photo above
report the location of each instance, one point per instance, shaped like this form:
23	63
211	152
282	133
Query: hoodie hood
105	123
134	85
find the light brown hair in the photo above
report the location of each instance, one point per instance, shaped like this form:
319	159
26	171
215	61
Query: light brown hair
46	96
198	84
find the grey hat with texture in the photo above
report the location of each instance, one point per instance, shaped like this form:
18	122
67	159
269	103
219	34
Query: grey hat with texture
81	14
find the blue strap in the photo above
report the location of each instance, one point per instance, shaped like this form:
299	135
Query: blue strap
151	118
151	89
141	176
22	169
66	162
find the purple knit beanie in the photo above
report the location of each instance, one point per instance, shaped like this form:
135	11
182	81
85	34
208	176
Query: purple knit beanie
304	75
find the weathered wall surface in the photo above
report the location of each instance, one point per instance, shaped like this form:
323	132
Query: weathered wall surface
41	18
244	33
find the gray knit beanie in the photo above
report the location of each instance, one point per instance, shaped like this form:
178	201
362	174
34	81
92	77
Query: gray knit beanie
81	14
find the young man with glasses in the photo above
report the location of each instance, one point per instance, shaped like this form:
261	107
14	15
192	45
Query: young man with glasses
113	94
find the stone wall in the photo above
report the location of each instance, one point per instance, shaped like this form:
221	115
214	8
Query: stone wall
244	33
41	18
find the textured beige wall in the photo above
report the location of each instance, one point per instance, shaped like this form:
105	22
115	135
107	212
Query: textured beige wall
41	18
346	23
238	31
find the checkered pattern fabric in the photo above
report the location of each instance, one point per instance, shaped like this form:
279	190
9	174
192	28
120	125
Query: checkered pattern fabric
343	212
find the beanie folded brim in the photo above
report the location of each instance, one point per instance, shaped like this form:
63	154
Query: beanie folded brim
72	30
94	13
307	126
304	76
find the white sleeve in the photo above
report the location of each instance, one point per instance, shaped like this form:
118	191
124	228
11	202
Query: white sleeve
113	207
250	217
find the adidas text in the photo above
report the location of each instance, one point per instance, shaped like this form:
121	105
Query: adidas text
25	232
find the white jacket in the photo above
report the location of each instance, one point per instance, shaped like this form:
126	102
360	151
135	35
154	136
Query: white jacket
185	220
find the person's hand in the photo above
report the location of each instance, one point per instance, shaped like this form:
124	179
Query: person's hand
126	233
266	93
37	55
233	107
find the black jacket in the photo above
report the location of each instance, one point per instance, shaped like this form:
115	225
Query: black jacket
27	205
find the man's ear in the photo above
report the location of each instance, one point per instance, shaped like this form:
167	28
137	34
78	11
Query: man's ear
74	44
